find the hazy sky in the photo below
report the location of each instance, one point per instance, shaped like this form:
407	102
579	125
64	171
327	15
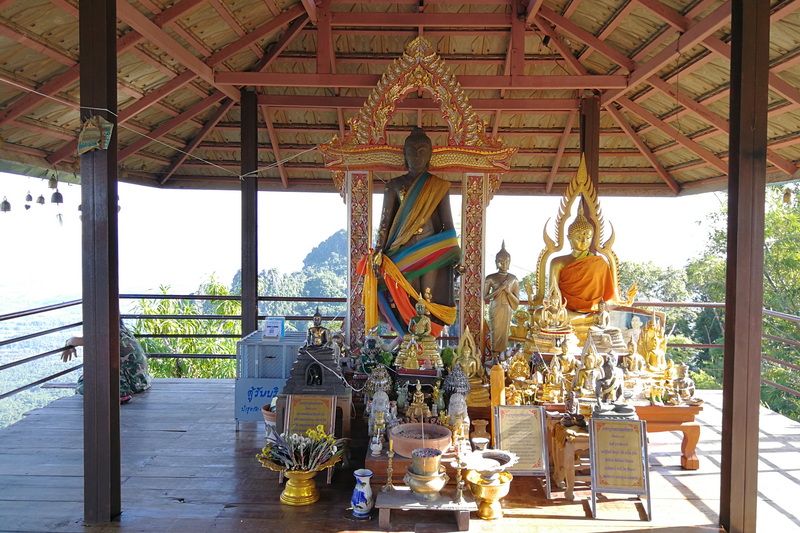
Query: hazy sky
179	238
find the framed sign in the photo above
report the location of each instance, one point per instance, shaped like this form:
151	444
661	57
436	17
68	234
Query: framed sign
520	429
307	412
618	450
274	327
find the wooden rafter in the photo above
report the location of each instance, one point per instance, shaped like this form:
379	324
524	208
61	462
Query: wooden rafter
562	144
416	20
643	149
311	9
170	125
273	139
226	15
283	41
478	104
225	105
560	45
611	26
673	133
532	10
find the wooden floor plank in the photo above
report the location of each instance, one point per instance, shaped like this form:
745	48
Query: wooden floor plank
186	469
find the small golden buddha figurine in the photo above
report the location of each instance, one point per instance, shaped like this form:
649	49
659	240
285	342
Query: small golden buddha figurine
468	358
418	344
519	368
418	411
684	385
519	330
318	335
587	375
566	361
553	382
652	345
634	362
513	395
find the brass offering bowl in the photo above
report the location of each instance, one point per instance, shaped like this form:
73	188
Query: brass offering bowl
426	488
489	494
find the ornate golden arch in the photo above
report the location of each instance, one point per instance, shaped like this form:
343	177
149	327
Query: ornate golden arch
419	69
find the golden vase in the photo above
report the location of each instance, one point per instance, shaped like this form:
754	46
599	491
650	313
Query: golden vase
489	494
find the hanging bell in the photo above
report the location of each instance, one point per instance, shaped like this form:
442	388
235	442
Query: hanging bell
40	200
57	198
28	197
5	205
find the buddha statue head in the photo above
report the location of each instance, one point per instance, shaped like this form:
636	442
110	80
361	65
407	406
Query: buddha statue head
580	232
317	318
503	259
417	151
420	307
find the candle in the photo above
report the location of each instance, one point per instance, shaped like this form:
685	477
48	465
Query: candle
391	443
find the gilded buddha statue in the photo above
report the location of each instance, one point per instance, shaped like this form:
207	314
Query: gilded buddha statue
419	347
652	346
418	411
502	295
469	361
586	377
583	277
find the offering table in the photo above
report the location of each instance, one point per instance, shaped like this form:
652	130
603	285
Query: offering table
402	498
675	418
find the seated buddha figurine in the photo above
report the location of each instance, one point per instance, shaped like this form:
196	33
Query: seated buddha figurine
684	385
418	346
582	277
652	345
418	411
318	335
468	358
553	383
586	377
519	330
634	362
519	368
608	388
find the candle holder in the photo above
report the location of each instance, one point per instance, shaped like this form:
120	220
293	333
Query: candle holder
389	486
458	497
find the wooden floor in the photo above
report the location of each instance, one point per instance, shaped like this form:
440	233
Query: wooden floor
186	469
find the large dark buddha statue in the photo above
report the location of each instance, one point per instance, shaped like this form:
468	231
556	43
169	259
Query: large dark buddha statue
416	248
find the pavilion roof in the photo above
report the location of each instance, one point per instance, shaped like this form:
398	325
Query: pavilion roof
660	68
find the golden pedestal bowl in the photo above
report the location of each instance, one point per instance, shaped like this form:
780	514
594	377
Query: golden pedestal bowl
300	488
426	488
489	495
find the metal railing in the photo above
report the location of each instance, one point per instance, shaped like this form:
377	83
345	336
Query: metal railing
298	318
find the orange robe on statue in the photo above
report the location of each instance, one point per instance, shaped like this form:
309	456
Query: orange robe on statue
584	282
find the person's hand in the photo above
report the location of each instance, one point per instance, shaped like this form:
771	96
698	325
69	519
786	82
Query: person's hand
70	351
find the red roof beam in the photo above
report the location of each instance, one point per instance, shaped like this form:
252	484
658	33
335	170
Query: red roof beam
310	8
645	151
562	144
35	45
426	20
532	10
561	46
273	138
586	37
283	41
201	135
282	79
170	125
611	26
674	134
693	35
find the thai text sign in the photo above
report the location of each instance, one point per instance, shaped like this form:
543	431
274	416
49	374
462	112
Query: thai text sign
520	429
618	449
307	412
251	394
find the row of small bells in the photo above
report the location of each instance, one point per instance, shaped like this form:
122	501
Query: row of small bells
56	198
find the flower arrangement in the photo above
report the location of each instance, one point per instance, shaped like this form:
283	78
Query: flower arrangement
297	452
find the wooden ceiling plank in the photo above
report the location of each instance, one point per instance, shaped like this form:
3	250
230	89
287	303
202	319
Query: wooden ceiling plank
35	45
65	6
311	9
426	20
131	16
283	41
201	135
696	107
357	102
586	37
532	10
562	144
259	33
282	79
571	8
170	125
30	100
151	98
611	26
693	35
643	148
673	133
560	45
786	9
273	139
228	17
175	11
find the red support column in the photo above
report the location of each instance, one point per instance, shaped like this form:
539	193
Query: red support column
475	198
358	195
98	96
744	288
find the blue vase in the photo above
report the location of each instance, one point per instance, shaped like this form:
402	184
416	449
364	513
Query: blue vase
362	499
